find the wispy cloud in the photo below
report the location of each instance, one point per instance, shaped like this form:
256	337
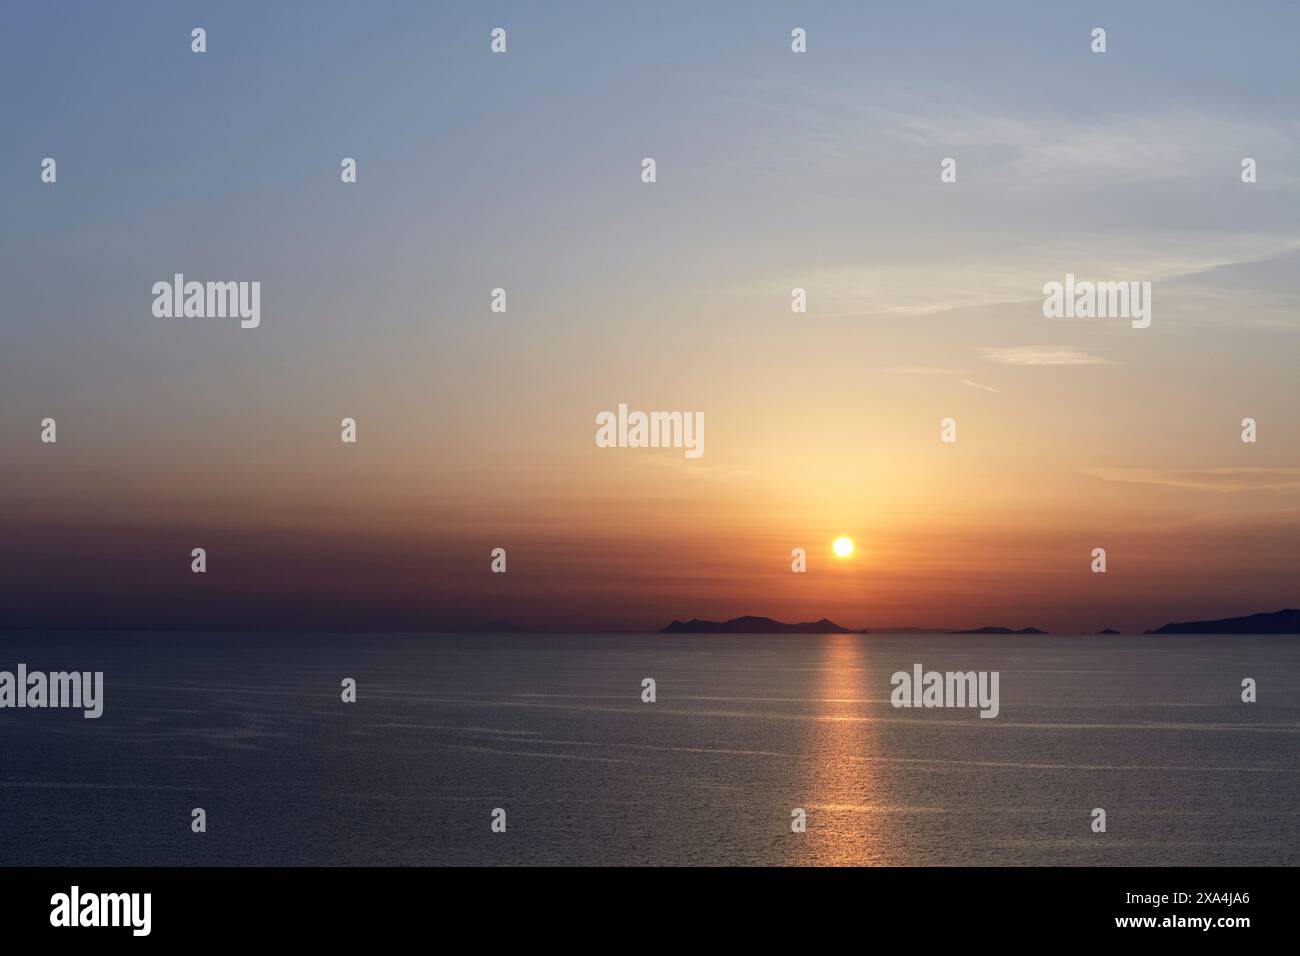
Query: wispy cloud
1040	355
1207	479
902	287
889	146
840	128
953	373
918	370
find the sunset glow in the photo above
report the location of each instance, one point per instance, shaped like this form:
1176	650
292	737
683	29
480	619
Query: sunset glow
476	429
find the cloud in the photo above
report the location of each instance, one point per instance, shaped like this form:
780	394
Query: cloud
1005	228
1040	355
952	373
918	370
902	285
840	130
1207	479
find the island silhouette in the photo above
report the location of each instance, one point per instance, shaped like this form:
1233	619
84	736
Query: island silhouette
1286	621
755	625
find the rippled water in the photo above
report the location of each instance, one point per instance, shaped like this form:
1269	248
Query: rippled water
745	728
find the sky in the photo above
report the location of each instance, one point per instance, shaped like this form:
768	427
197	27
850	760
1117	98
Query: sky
522	171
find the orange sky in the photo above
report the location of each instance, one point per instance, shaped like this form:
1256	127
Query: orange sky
476	429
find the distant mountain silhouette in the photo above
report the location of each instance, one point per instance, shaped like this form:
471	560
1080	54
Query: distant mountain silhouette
1276	622
753	625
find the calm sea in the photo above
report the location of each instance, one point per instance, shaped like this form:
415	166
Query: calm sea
745	729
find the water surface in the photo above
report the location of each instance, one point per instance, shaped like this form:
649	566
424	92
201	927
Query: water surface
745	729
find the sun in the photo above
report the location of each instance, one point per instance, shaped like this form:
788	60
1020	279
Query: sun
843	547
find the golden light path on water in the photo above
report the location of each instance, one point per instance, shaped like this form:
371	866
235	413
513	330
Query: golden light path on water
844	793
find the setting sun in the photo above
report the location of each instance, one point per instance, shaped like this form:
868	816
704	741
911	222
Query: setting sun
843	547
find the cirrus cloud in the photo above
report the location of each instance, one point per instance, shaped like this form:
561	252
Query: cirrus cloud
1040	355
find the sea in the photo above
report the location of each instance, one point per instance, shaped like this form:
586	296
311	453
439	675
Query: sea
545	749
